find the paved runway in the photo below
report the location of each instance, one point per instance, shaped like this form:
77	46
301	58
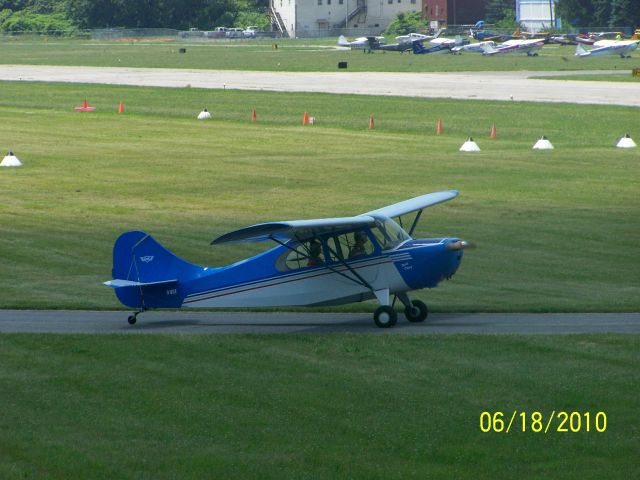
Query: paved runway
189	322
515	86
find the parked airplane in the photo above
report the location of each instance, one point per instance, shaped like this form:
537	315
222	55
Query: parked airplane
439	45
529	47
449	42
375	44
487	35
327	261
360	43
411	37
473	47
608	47
419	49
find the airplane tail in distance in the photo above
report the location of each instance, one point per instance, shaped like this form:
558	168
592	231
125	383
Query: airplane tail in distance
342	41
580	50
147	275
487	49
418	47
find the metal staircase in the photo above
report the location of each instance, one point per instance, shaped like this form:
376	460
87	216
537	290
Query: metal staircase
277	20
361	8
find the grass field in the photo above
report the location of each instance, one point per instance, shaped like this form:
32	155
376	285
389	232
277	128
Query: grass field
557	231
316	406
291	55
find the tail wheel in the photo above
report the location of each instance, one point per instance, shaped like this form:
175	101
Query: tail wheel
132	319
385	316
418	312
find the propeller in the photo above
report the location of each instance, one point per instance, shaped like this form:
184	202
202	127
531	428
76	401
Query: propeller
461	245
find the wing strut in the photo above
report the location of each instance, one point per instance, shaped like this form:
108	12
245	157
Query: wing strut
415	222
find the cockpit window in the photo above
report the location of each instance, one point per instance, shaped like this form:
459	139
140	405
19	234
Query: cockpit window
301	255
389	234
349	246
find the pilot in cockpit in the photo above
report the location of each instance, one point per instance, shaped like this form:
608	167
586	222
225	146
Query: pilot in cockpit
315	253
360	239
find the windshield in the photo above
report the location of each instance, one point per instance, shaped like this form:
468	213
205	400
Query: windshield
389	234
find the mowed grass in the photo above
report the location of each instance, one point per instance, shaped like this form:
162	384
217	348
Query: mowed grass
306	55
556	231
314	406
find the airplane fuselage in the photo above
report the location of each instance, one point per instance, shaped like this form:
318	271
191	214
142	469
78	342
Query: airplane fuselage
265	280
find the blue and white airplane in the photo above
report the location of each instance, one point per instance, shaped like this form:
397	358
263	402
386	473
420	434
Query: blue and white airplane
328	261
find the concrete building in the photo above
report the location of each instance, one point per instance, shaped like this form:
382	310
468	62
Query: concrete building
322	18
537	15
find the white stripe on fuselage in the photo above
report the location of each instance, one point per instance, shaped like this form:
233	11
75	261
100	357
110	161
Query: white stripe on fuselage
307	287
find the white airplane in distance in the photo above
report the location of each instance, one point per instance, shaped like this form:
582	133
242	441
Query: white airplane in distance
358	43
473	47
608	47
412	37
512	46
449	42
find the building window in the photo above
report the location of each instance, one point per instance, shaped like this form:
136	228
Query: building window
389	2
319	2
328	2
340	1
413	2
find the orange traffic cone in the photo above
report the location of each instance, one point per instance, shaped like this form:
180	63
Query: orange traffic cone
439	129
254	117
121	107
305	119
493	133
371	121
84	107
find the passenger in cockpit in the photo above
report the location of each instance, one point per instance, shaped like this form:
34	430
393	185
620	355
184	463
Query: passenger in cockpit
315	253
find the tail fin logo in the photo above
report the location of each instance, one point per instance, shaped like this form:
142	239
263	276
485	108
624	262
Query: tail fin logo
146	259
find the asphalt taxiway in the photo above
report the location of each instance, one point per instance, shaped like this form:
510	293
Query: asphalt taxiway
516	86
185	322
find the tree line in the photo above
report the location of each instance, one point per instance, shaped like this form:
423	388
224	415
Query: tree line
600	13
52	15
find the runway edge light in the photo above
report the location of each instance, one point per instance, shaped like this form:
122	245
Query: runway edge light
543	144
626	142
10	160
470	146
204	114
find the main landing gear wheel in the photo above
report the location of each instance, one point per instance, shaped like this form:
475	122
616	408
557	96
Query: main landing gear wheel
133	317
385	316
417	313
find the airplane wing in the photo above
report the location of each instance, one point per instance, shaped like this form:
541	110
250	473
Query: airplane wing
306	229
301	229
413	204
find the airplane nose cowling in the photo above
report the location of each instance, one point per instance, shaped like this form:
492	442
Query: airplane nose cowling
434	260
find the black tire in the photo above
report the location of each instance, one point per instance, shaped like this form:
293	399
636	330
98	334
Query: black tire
385	316
418	313
132	319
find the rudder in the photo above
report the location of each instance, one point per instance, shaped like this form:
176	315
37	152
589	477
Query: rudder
146	274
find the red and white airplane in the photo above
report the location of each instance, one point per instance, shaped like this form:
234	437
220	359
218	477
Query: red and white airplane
530	47
608	47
